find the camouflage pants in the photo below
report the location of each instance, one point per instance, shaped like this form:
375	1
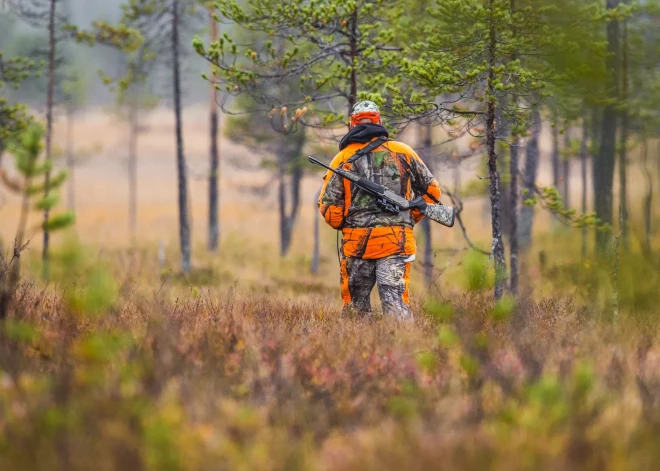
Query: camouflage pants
391	274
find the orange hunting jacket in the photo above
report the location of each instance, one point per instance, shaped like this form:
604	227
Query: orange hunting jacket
368	232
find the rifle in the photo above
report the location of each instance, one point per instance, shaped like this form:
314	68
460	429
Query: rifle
390	202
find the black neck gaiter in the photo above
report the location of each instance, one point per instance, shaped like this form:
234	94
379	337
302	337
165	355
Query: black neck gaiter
363	133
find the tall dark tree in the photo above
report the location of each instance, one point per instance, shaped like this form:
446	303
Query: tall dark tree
623	144
163	24
181	168
289	161
316	249
428	257
484	82
583	177
566	167
530	173
555	153
214	156
514	241
603	170
50	100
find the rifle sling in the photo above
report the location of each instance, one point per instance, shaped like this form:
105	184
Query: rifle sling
366	149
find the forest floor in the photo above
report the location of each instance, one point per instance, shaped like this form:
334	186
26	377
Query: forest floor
121	363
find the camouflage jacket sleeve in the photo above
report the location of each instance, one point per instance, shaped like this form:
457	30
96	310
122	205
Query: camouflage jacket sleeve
423	183
332	197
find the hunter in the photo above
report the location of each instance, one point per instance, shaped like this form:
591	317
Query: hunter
377	247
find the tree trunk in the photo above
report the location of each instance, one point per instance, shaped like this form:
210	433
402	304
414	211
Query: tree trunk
8	285
623	179
555	149
49	128
317	235
427	263
583	168
184	219
566	168
529	180
70	159
596	123
604	171
289	155
513	215
503	133
285	237
214	203
493	174
648	198
133	131
352	98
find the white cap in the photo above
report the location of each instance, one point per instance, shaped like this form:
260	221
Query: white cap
365	107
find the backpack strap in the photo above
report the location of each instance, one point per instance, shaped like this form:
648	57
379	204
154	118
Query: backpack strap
366	149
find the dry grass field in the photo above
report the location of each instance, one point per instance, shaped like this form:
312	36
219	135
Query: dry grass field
121	363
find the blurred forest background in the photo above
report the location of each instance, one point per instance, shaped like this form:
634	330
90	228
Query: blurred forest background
169	293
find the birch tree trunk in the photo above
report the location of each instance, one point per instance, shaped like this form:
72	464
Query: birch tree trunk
184	219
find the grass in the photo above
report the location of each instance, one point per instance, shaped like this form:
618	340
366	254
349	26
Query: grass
122	363
106	369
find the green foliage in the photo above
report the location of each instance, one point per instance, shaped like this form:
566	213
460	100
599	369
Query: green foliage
331	49
550	199
29	162
469	365
427	361
14	117
503	308
90	288
476	273
48	202
591	280
439	311
60	221
447	337
20	331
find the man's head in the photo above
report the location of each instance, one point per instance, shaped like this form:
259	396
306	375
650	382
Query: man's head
365	112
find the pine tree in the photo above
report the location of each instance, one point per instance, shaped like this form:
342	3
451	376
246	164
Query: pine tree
162	23
603	173
467	56
333	48
49	14
35	176
13	116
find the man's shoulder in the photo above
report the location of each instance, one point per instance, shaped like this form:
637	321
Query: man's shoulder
400	148
342	156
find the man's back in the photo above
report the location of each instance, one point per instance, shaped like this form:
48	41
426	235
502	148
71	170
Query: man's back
378	246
